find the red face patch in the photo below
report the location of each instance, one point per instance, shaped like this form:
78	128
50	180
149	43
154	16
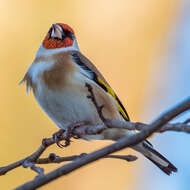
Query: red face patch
53	43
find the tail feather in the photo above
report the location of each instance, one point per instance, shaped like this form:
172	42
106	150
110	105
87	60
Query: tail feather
159	160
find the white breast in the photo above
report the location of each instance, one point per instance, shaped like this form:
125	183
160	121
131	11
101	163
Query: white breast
69	105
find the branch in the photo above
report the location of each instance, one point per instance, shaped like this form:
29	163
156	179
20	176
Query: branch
92	97
46	142
180	127
34	158
57	159
120	144
32	166
91	130
53	158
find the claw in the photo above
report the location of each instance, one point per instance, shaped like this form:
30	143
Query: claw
57	137
69	134
66	134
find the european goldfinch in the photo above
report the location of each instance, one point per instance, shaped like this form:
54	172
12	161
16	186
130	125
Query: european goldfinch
57	78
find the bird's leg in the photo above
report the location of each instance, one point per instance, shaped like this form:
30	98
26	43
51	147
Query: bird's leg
70	132
66	134
58	136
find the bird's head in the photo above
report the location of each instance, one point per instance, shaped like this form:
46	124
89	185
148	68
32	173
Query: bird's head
59	36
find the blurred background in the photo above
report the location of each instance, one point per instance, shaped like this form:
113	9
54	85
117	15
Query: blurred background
142	48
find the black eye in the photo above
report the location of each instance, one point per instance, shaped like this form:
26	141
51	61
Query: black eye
63	34
50	31
68	34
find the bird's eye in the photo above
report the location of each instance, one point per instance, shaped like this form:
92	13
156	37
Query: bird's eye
50	31
63	34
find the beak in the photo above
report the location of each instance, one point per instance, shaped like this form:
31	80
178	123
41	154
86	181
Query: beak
57	32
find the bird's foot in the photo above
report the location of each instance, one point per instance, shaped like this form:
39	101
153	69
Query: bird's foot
67	134
58	136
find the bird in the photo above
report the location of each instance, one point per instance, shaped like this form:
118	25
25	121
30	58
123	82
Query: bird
57	77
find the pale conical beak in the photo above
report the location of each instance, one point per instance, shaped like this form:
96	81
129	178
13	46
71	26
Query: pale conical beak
57	32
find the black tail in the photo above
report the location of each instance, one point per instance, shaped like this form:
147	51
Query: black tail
159	160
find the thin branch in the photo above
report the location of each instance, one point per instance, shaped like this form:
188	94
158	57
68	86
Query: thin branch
180	127
46	142
92	97
79	131
187	121
128	158
32	166
58	159
91	130
32	158
120	144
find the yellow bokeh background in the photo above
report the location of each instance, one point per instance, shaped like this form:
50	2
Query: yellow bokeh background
121	37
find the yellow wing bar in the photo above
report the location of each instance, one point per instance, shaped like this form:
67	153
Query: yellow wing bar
101	83
112	93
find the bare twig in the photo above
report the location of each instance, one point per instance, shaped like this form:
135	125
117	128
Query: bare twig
92	97
128	158
187	121
79	131
180	127
38	170
33	157
58	159
120	144
90	130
